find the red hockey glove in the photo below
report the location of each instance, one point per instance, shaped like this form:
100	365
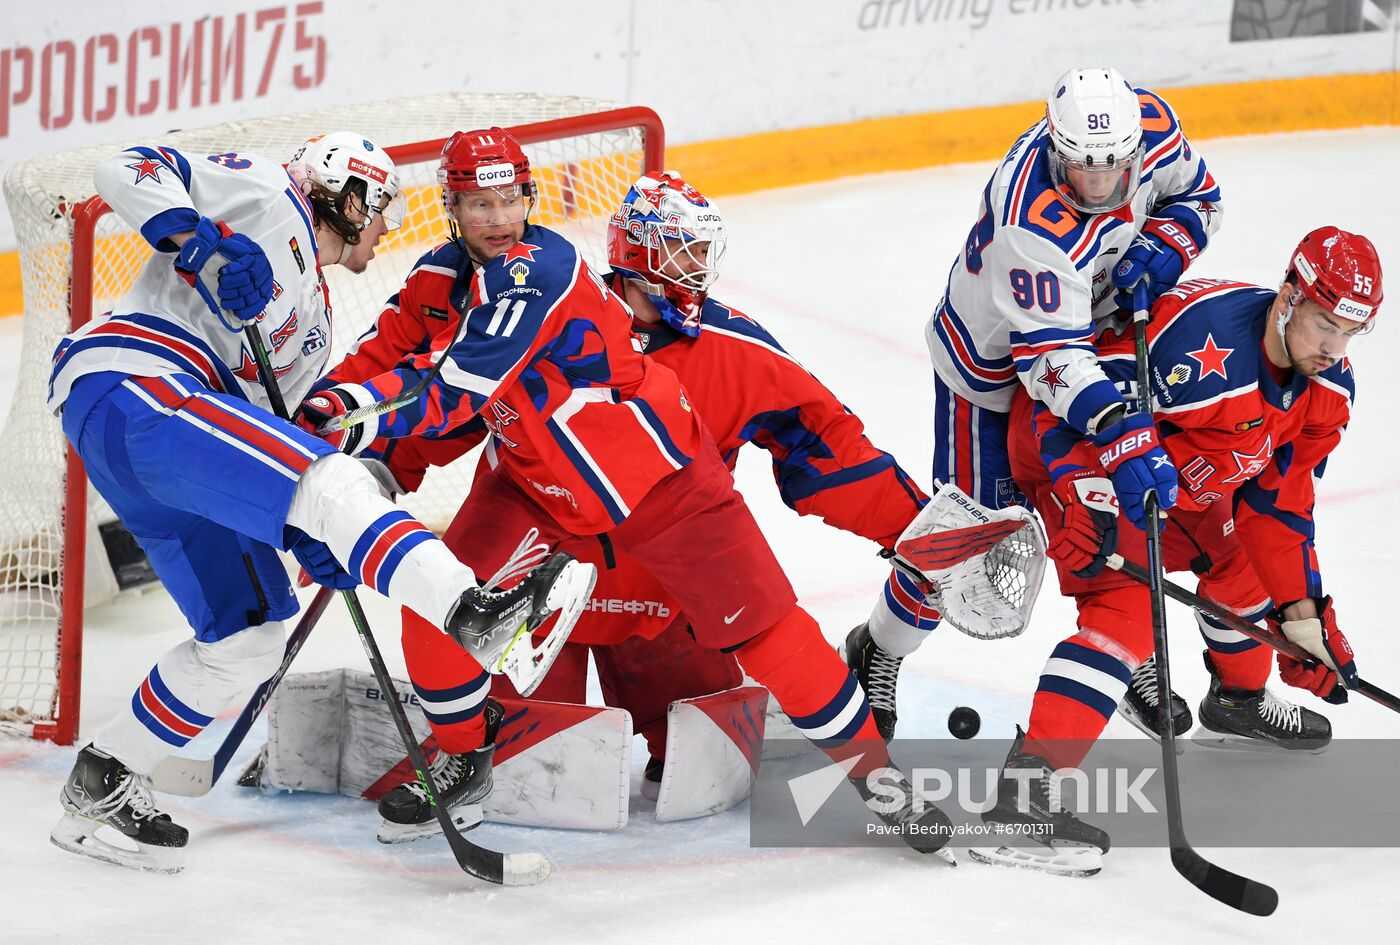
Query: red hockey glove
325	405
1319	636
1088	531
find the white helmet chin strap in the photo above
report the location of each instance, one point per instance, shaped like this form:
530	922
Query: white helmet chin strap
1285	317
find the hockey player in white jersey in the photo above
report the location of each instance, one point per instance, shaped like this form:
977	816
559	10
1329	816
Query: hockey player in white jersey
1101	194
162	399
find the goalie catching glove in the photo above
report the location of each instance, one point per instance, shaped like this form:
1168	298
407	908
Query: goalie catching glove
236	265
980	567
1319	636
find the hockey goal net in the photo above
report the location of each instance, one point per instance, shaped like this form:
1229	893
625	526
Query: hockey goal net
77	259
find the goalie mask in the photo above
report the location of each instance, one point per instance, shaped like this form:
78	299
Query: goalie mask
335	169
670	239
1095	139
475	162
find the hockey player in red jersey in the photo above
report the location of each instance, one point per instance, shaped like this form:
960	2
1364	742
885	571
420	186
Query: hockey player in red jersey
1251	391
589	438
665	246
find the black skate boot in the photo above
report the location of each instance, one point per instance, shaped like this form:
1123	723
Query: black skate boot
878	674
1139	704
922	826
101	792
651	778
495	626
461	781
1258	720
1034	830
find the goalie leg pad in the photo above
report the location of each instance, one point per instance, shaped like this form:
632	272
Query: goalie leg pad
565	766
713	745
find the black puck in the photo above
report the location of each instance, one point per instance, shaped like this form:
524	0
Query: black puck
964	722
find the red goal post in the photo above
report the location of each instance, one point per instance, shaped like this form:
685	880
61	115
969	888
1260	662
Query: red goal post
77	258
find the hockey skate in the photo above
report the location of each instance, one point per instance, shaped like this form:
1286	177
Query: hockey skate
462	782
878	674
496	626
1139	704
109	815
1034	830
651	778
1258	720
916	821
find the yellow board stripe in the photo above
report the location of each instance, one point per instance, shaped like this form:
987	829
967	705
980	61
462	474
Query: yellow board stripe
805	155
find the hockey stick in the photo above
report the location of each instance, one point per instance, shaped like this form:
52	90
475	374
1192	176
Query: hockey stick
195	777
507	869
1238	892
368	412
1237	623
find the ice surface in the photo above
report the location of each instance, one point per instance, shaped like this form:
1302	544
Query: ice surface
844	275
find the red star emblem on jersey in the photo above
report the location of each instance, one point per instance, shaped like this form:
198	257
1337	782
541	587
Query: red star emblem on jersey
525	251
248	370
1051	378
1211	358
146	168
1252	464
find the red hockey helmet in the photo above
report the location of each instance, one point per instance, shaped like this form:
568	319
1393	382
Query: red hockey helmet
669	237
1340	271
486	158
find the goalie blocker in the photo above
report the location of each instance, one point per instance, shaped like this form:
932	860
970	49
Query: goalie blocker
556	765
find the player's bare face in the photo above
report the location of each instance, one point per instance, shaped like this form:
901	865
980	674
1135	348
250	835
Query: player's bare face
1316	338
363	251
491	221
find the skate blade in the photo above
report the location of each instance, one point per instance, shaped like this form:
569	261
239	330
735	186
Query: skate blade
80	835
1230	741
1058	861
524	663
464	818
1141	725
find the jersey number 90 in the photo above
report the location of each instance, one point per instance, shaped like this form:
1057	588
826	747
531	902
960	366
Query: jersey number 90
1042	289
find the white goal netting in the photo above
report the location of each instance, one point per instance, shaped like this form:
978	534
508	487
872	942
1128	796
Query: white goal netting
583	165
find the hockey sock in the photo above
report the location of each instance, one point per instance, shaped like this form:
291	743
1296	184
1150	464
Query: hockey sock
183	692
816	689
902	619
451	686
1239	661
1088	674
383	546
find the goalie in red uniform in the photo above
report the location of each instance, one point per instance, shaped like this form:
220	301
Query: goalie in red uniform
1251	391
589	438
665	246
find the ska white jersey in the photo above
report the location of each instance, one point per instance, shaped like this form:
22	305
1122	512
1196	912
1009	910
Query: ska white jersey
162	325
1033	284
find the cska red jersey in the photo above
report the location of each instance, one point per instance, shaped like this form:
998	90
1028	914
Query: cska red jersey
545	357
1237	430
745	387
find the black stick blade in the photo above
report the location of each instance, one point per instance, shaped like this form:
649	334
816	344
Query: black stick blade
1237	892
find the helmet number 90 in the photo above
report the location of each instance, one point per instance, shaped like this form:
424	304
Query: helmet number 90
1042	289
1098	121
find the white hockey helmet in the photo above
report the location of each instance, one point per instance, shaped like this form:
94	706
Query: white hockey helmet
1096	146
334	160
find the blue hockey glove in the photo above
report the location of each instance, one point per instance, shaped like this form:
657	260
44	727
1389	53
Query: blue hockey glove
318	562
236	264
1136	462
1158	256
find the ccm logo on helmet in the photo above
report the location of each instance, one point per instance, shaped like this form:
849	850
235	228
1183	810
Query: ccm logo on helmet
368	170
493	175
